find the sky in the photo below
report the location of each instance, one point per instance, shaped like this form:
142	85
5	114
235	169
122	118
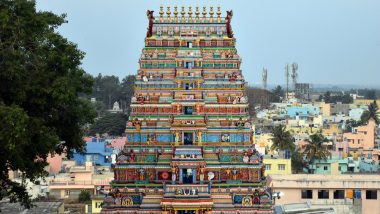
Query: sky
333	41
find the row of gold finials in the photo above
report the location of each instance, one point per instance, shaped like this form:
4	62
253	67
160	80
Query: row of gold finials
189	12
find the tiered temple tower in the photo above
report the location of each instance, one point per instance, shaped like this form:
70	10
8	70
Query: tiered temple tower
189	148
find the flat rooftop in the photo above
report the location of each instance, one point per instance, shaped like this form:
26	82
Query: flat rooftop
40	207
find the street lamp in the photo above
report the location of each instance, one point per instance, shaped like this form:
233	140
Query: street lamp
277	195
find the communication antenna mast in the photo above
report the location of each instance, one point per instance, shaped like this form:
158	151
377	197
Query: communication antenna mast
294	74
265	78
287	79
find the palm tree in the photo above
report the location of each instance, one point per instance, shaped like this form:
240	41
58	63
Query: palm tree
282	139
315	149
371	113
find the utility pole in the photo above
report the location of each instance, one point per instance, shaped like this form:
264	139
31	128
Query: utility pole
265	78
287	79
294	74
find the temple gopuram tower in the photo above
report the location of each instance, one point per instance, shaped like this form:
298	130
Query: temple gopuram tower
189	144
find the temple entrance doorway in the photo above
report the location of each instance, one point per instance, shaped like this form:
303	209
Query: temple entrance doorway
186	212
187	176
188	138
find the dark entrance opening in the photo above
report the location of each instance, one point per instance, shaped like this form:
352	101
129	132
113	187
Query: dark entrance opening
188	110
187	178
188	138
186	212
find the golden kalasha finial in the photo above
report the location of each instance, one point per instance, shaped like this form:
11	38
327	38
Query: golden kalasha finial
218	12
168	11
204	13
189	12
161	11
197	12
175	12
183	12
211	12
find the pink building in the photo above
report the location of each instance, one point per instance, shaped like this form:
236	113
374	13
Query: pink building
341	148
55	163
362	138
69	185
118	143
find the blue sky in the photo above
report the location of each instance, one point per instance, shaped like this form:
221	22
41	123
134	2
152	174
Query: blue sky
333	41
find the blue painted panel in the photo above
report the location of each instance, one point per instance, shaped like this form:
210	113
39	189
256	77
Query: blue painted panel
213	138
164	138
136	138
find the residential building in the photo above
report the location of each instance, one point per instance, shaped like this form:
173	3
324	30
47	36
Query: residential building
362	138
277	165
96	152
69	185
347	194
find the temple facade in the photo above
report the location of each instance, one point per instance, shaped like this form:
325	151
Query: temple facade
189	139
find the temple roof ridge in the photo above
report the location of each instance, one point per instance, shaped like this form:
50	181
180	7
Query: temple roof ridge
179	14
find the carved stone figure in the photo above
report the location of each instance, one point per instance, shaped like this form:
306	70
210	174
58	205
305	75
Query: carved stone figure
149	14
228	24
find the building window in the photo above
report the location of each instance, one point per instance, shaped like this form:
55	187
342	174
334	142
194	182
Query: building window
67	192
98	205
306	194
325	168
323	194
339	194
371	194
268	166
281	167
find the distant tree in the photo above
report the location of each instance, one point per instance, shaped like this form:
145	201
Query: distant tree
371	113
127	91
100	108
327	97
297	161
316	150
342	98
320	98
277	94
40	80
370	94
282	139
351	124
84	196
107	89
111	123
346	98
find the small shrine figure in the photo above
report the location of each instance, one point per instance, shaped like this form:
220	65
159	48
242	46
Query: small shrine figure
176	137
234	174
174	174
201	174
228	173
211	176
245	158
142	174
132	156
